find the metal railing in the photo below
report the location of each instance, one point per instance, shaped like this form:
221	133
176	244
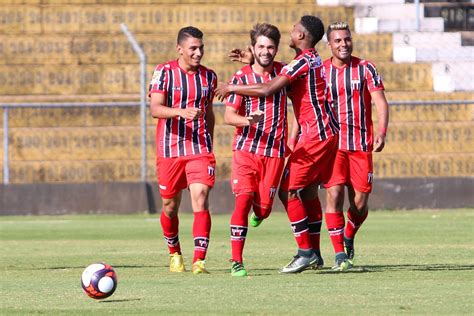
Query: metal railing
6	107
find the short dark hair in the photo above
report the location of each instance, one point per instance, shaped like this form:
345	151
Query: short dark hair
336	26
267	30
189	31
314	26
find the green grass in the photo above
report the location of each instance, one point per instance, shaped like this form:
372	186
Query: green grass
407	262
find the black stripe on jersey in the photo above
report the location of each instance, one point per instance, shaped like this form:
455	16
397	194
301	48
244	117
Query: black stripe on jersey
314	101
197	102
231	97
246	129
181	121
261	123
277	100
363	124
169	122
350	112
210	80
334	95
298	65
375	76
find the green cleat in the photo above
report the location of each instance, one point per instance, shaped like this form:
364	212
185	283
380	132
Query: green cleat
349	249
342	263
238	269
254	220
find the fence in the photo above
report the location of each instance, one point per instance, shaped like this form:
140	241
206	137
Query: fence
425	139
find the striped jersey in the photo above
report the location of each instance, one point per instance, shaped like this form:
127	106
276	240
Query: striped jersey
349	94
177	137
268	136
308	94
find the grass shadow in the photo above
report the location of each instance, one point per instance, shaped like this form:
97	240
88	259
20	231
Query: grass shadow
119	301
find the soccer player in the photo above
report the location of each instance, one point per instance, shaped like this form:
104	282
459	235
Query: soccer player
181	94
313	156
259	142
353	84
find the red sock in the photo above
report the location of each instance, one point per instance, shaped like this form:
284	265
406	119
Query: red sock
354	221
315	216
170	228
239	225
335	226
201	232
299	223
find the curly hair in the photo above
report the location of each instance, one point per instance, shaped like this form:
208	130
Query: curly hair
314	26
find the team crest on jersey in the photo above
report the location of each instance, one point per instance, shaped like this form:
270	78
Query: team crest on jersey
205	90
355	84
211	170
370	177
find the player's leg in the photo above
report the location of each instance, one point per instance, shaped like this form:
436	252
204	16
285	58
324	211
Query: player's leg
361	176
171	180
312	205
244	181
200	174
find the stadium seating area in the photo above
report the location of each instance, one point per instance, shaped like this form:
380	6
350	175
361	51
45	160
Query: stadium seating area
74	50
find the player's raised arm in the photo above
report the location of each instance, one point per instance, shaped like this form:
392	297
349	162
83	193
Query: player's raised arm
382	114
253	90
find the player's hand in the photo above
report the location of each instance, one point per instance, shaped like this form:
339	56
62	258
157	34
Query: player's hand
190	113
379	143
255	117
222	91
244	56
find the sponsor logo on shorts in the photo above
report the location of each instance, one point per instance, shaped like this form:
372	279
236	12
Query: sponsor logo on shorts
273	192
211	170
370	177
163	187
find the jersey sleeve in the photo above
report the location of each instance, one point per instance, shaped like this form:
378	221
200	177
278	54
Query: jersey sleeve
374	81
158	81
214	86
296	68
234	100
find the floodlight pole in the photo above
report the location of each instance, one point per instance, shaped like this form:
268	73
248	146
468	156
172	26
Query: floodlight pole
143	93
6	169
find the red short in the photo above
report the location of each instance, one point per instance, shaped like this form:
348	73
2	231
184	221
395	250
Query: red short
255	173
311	162
353	168
175	174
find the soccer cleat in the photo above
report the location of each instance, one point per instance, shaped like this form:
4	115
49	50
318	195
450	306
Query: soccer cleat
342	263
300	263
238	269
254	220
176	263
199	267
320	264
349	249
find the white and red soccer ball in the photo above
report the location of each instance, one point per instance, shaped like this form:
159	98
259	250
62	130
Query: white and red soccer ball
99	280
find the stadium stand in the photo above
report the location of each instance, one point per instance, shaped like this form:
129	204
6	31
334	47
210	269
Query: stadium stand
74	50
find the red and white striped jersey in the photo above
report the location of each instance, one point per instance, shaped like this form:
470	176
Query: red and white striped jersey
308	93
349	94
267	137
177	137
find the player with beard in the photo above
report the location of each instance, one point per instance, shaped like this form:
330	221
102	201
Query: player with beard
353	84
311	161
181	94
259	142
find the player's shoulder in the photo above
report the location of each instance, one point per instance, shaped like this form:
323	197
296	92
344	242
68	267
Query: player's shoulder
242	72
361	61
167	65
204	69
278	65
327	62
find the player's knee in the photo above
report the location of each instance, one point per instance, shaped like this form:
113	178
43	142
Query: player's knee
170	208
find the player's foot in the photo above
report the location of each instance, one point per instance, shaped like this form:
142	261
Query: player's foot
176	263
199	267
342	263
254	220
300	263
349	249
320	263
238	269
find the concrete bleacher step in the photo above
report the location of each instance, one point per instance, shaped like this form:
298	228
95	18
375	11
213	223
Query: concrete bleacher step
457	15
453	76
428	95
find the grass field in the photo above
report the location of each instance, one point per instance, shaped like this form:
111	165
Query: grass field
407	262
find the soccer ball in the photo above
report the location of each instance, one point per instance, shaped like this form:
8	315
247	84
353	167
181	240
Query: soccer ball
99	280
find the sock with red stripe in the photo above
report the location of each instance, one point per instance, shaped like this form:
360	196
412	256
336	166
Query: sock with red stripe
354	221
201	233
335	226
239	225
170	228
315	216
299	223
